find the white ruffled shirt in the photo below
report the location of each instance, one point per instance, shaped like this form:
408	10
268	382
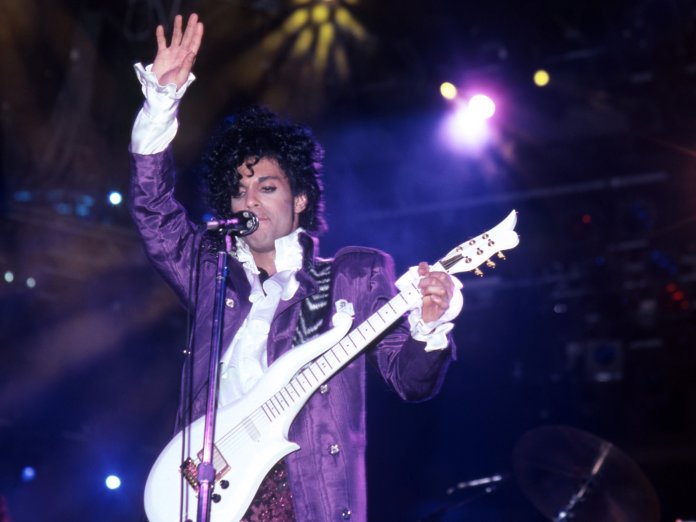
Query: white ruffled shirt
245	360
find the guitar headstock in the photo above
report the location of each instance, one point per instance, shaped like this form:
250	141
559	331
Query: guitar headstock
476	251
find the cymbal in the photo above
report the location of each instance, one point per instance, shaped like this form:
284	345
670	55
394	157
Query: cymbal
571	474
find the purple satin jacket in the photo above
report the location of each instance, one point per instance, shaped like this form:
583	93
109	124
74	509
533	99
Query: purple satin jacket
326	485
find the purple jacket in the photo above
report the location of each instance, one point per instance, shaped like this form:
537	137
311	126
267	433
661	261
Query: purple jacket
325	486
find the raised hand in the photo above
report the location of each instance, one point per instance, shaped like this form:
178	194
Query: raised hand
173	62
437	289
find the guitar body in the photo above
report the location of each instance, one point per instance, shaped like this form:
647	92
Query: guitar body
251	435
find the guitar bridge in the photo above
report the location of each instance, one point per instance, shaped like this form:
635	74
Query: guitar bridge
190	472
189	468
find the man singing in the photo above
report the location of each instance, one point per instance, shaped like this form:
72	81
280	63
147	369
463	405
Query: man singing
279	292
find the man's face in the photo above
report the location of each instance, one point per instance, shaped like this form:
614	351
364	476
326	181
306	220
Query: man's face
265	190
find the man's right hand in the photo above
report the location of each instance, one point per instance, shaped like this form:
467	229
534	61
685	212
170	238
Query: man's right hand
173	62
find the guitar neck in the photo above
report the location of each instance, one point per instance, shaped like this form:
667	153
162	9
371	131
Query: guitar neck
300	388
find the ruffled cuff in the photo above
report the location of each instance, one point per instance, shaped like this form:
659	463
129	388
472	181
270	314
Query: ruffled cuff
435	338
156	123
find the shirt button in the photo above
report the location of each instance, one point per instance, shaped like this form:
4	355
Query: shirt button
334	449
345	514
324	389
229	302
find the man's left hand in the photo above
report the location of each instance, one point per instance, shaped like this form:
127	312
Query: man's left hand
437	289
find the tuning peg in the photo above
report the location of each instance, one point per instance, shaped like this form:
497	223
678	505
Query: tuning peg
477	271
490	264
501	255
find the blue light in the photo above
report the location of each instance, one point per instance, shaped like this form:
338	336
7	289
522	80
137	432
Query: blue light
82	210
113	482
115	198
28	474
22	196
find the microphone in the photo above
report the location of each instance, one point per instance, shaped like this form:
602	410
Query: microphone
242	223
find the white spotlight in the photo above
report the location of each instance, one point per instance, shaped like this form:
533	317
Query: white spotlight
481	106
113	482
115	198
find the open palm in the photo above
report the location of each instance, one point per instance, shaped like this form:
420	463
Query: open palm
173	62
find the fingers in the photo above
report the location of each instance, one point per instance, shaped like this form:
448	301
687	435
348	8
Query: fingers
193	34
190	39
436	287
197	38
438	292
161	40
176	33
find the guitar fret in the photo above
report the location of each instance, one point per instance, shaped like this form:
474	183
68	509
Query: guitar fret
298	382
367	334
280	402
306	384
357	331
332	351
327	362
272	407
384	314
350	344
375	318
292	384
266	410
309	369
290	398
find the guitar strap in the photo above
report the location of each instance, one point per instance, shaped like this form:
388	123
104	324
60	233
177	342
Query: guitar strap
273	500
313	312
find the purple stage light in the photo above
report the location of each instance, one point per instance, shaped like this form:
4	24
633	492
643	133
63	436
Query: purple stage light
466	129
481	106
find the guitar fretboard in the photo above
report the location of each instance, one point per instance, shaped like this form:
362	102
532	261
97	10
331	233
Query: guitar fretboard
300	388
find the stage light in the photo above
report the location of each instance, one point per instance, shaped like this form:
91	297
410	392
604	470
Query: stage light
318	29
31	282
320	13
28	474
448	91
9	276
22	196
541	78
481	106
115	198
113	482
466	129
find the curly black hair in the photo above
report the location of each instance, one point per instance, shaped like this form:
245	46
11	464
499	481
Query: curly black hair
259	133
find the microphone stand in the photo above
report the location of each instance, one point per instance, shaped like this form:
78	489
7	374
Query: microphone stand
206	470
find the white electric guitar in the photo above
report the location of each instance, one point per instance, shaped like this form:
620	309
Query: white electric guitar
251	434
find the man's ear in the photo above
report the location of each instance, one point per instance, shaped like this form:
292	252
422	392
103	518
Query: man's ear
300	203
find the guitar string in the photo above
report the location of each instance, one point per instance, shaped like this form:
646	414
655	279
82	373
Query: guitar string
258	416
239	434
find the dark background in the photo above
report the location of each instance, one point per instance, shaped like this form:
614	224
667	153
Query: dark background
590	322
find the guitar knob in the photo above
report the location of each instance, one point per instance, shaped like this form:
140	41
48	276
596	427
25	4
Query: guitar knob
216	498
224	484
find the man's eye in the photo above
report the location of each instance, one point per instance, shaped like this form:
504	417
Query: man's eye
268	188
238	195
